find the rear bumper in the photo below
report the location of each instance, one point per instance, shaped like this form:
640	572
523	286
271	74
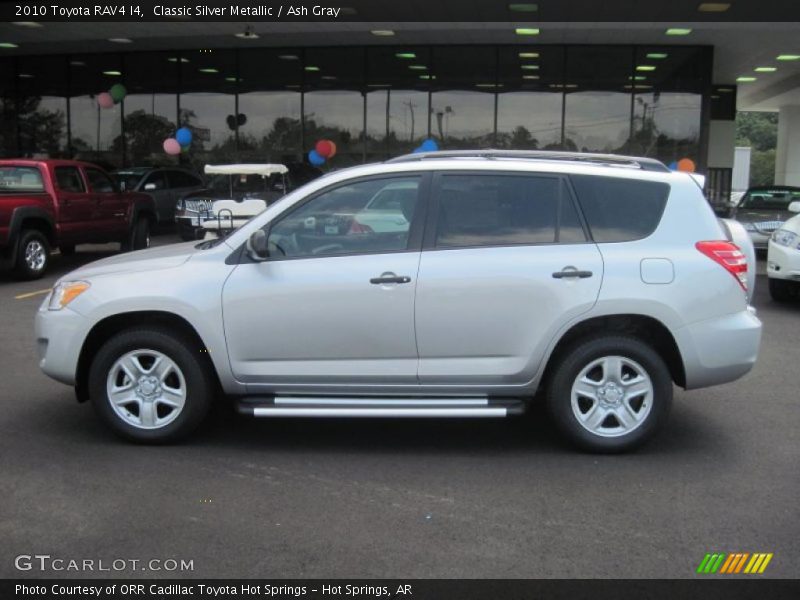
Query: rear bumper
719	350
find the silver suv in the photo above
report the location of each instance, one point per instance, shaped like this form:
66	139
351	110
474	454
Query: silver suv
487	277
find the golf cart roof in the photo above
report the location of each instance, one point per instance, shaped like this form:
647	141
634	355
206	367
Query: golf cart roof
246	169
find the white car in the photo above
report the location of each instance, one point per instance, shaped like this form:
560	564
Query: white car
783	258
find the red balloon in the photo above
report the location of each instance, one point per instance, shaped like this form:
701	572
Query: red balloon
333	149
325	148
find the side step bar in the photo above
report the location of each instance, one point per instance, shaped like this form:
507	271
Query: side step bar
379	407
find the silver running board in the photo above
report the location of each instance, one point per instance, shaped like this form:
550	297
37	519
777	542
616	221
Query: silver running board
295	406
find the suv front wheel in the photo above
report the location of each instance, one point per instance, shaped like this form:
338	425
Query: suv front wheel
150	385
610	393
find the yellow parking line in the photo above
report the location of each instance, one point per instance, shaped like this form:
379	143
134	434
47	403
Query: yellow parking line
31	294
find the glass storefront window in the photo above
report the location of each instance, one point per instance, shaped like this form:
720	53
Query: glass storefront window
94	130
8	109
42	107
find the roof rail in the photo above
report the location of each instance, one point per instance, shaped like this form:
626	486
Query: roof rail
609	160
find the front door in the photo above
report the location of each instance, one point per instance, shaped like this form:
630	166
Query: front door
76	206
506	263
111	206
334	304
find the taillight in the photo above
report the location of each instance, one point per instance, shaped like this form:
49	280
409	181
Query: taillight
729	257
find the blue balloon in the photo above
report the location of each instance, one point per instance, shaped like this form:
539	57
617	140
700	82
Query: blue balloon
429	145
315	158
673	166
417	150
184	136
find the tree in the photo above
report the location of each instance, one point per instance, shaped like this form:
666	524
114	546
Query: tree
759	131
144	135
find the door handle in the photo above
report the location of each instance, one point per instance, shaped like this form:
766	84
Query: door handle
570	272
389	278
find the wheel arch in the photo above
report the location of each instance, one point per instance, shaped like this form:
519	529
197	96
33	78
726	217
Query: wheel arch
31	217
647	329
103	330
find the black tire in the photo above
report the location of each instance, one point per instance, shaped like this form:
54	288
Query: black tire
199	384
67	249
33	255
582	354
187	233
139	236
780	290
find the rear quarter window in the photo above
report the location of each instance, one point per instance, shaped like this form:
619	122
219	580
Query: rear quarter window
620	210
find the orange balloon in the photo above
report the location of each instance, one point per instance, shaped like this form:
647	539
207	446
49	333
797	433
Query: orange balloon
332	150
686	165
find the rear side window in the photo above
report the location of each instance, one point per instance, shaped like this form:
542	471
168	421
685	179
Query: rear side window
69	179
179	179
21	179
620	210
502	210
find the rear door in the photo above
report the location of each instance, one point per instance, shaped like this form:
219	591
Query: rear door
76	206
505	263
157	186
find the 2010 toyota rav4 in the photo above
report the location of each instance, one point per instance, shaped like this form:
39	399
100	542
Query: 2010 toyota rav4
598	280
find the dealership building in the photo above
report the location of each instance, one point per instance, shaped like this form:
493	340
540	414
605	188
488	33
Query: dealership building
267	91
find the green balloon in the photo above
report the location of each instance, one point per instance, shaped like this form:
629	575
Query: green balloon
117	92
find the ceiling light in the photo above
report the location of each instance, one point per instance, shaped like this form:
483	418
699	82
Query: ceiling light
745	79
208	70
529	67
789	57
247	34
120	40
405	55
328	77
645	68
523	7
31	24
417	67
427	76
765	69
678	31
382	32
571	86
8	45
725	90
288	56
637	78
77	63
233	79
25	76
311	68
527	31
714	6
657	55
112	73
488	85
530	77
174	59
529	55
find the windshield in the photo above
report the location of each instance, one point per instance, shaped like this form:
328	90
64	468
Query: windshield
243	185
20	179
770	199
128	180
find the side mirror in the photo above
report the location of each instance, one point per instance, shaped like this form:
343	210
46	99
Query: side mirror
149	187
257	246
794	206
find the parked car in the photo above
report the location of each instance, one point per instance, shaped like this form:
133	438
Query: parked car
599	280
783	258
762	210
238	182
166	185
46	204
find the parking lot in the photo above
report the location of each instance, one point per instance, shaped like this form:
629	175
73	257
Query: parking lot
454	499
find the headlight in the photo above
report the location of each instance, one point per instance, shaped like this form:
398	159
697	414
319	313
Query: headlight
783	237
65	292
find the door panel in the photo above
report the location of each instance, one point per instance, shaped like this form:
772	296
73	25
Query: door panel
111	206
321	321
76	206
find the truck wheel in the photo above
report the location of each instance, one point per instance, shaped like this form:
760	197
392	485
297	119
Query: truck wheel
33	255
150	385
610	393
67	249
780	290
187	233
139	236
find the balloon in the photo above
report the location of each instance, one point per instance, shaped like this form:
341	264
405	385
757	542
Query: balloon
171	146
324	148
241	119
333	149
315	158
184	136
673	166
417	150
117	92
104	100
686	165
185	149
231	121
429	145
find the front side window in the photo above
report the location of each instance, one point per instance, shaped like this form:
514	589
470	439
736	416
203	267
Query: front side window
69	179
502	210
20	179
157	179
99	181
343	220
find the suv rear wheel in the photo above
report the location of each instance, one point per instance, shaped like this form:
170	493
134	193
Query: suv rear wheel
610	393
150	385
33	255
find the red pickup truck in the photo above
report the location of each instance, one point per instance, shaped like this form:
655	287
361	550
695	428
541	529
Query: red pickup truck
46	204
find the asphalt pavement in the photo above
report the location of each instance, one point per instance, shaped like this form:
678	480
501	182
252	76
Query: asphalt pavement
424	498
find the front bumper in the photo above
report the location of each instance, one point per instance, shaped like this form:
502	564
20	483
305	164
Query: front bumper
760	240
719	350
783	262
59	338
